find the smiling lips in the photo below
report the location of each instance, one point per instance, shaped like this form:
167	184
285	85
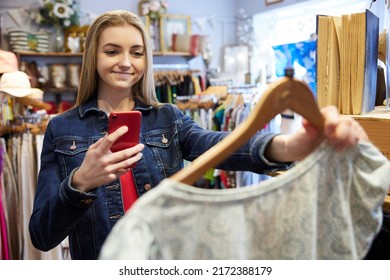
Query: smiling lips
123	73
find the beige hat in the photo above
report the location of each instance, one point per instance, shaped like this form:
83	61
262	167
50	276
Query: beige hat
17	84
8	62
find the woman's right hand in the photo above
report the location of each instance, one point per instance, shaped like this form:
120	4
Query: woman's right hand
101	166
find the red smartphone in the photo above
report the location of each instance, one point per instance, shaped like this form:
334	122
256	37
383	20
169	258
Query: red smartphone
131	119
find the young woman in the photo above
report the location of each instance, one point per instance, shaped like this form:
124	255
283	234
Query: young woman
80	185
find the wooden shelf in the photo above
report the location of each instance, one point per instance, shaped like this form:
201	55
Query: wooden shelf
377	126
48	54
59	90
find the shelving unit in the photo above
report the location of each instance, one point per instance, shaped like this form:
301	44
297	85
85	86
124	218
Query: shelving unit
54	94
377	126
44	59
47	54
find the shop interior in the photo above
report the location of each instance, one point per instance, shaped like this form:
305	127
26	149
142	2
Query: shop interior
226	48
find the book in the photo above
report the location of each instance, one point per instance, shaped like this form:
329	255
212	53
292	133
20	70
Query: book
347	61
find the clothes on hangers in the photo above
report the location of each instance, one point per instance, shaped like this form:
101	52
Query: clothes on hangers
18	115
21	164
224	113
328	206
171	84
10	195
21	132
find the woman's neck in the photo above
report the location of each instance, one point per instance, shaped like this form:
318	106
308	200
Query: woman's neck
116	104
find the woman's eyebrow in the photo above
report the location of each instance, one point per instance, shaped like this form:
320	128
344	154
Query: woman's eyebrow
111	45
137	46
118	46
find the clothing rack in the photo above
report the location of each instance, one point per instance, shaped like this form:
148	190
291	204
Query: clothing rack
166	69
18	117
171	76
286	93
195	102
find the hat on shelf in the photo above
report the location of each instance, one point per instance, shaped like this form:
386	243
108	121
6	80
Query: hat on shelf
17	84
8	62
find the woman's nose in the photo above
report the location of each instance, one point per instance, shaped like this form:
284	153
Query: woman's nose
125	61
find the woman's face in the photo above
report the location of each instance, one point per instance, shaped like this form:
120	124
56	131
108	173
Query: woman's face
120	58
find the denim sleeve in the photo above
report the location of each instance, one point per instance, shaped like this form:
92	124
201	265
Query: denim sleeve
250	157
72	196
57	206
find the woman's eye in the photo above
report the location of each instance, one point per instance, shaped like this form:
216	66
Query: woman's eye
138	53
110	52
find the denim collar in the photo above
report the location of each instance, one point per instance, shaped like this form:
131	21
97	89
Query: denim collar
91	106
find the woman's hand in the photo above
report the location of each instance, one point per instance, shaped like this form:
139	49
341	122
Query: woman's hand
101	166
339	130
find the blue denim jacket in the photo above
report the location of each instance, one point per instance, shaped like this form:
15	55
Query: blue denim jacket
87	218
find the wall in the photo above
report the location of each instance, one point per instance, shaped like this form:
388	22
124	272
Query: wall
214	18
258	6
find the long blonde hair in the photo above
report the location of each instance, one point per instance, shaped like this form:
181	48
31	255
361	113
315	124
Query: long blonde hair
144	90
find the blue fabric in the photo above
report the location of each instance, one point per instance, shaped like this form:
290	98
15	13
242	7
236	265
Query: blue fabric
87	218
294	54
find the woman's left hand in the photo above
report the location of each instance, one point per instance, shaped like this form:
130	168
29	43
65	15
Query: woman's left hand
340	131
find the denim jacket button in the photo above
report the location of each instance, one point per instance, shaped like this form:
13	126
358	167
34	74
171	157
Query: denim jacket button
112	187
87	201
147	187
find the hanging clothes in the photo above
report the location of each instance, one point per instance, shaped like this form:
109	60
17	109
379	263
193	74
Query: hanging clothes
171	84
21	139
11	207
224	111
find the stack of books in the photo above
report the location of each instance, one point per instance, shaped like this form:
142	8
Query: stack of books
347	61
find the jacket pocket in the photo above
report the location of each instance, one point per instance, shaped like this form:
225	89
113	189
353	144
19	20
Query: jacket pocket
71	152
164	144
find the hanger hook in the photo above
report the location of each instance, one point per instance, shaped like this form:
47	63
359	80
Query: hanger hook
289	72
371	3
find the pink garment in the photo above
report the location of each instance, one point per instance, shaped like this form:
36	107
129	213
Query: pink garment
3	234
5	255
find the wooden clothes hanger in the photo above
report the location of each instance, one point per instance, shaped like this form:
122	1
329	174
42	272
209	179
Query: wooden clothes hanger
285	93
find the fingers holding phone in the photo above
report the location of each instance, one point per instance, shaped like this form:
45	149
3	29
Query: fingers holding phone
101	166
128	158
